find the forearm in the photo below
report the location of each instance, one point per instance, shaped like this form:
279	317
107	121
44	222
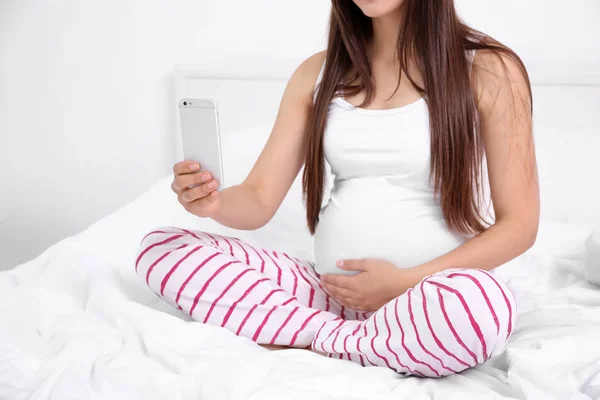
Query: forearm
241	209
497	245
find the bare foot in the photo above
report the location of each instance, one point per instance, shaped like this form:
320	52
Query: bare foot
274	347
280	347
315	351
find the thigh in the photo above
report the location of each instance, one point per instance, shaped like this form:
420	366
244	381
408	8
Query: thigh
267	296
170	245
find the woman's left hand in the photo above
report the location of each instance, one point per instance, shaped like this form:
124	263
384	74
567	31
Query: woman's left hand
376	283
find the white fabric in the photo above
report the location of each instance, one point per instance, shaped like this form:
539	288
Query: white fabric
382	203
78	323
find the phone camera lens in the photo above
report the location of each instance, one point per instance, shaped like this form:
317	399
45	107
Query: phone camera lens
185	103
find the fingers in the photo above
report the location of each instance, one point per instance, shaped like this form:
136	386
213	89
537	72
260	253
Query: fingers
199	193
183	182
198	206
346	298
342	281
195	189
339	292
341	287
186	167
354	306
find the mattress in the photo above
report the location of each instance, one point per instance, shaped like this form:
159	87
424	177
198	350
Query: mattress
77	323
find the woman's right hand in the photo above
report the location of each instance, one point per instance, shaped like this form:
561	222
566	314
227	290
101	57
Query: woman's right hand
202	199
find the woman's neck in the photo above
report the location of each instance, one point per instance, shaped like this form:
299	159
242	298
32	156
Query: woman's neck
385	35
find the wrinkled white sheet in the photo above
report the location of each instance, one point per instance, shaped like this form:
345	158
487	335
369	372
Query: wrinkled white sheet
78	324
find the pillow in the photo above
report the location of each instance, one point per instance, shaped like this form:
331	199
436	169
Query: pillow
562	254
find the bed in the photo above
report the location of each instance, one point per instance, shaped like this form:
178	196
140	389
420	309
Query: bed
78	324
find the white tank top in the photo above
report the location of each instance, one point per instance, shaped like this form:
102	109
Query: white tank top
381	203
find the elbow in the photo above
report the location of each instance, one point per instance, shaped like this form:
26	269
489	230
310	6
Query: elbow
527	229
251	225
531	235
532	228
258	224
263	211
523	231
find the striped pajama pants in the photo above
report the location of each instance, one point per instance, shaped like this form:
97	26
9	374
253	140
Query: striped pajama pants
448	322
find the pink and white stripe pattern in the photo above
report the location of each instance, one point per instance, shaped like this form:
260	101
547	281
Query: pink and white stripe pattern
450	321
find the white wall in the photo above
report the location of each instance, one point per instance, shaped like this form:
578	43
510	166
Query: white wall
85	95
86	89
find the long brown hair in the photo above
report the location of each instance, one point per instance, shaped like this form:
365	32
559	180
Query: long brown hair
438	43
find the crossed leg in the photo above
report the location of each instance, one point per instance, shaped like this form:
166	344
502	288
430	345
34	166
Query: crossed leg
449	322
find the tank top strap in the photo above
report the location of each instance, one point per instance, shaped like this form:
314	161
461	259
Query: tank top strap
471	58
317	83
477	37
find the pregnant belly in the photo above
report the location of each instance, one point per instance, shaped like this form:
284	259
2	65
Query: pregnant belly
406	234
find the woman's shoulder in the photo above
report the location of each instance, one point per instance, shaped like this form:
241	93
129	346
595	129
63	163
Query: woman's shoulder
304	79
497	72
310	68
494	64
314	62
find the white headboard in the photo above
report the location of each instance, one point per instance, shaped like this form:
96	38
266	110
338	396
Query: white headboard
243	101
252	99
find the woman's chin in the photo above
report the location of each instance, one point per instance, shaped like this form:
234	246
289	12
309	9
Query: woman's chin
376	8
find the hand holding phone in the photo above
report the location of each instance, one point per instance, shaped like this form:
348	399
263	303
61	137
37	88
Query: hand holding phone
199	177
200	135
196	190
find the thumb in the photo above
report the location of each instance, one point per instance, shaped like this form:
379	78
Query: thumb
352	265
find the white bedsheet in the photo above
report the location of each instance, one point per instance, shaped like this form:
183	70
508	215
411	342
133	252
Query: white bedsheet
78	324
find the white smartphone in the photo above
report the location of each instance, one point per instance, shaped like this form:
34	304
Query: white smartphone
200	136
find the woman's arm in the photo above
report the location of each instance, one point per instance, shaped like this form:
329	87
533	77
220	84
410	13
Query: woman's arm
253	203
505	114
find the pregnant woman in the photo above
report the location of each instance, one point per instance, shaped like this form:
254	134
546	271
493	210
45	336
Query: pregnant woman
414	111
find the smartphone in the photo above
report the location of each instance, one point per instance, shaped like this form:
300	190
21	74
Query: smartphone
200	136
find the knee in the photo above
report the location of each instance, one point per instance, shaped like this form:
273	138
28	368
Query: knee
159	240
155	236
500	302
495	297
477	311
